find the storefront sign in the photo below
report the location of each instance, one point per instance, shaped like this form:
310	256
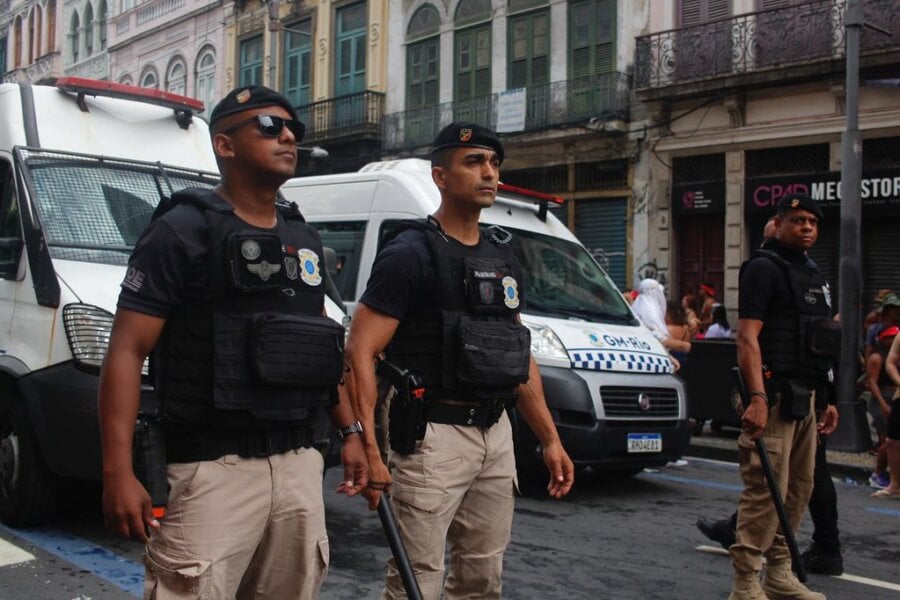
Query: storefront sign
879	187
697	198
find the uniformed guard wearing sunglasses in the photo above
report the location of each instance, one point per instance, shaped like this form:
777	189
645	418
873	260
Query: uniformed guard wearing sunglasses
226	287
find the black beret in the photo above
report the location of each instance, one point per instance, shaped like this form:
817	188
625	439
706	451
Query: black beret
249	97
468	134
799	202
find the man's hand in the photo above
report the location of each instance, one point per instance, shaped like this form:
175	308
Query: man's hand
755	418
379	481
828	422
127	509
562	471
356	467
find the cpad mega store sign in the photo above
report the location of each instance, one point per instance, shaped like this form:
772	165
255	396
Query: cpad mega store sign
879	187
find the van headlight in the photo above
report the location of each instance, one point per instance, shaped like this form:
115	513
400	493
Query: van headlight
544	342
87	329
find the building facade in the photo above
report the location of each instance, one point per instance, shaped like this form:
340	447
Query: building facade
172	45
551	77
329	59
30	40
743	102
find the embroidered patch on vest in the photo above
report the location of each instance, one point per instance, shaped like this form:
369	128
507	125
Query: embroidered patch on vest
510	292
309	267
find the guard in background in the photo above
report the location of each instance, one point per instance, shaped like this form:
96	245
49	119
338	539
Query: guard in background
787	344
226	288
443	302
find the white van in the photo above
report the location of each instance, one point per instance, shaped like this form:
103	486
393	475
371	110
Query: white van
608	381
83	165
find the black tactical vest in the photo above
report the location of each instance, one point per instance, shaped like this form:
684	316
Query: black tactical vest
257	341
787	339
470	345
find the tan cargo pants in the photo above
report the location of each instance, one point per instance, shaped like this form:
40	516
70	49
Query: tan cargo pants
241	528
791	447
457	487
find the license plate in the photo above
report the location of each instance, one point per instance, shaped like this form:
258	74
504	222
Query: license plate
645	442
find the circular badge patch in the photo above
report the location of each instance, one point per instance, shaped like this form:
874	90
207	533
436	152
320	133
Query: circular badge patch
309	267
510	292
250	249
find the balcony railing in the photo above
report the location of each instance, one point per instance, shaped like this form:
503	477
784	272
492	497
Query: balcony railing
604	97
755	42
353	115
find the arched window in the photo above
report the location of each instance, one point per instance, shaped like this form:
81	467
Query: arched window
472	10
74	34
149	79
38	31
88	30
205	80
51	25
31	37
423	58
176	77
126	80
17	42
101	21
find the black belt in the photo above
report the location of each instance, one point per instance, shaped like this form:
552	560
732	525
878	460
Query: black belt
185	445
480	415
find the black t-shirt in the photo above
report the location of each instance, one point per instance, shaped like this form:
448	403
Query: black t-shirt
403	275
764	286
169	264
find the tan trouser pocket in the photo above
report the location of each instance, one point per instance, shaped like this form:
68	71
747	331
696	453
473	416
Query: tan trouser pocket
175	578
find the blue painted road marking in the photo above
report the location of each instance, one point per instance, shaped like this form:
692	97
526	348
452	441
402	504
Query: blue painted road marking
118	570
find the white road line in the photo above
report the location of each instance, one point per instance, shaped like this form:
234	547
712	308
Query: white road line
11	554
886	585
873	582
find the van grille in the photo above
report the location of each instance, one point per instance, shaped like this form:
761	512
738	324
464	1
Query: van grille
620	401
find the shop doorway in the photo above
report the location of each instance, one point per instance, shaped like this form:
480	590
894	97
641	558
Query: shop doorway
700	243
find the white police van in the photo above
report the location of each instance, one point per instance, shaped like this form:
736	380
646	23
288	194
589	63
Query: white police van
608	381
83	165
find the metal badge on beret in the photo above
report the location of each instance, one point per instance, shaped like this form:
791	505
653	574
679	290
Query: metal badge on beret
510	292
250	249
309	267
263	269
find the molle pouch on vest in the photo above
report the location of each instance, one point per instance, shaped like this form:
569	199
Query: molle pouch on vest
255	261
299	351
823	338
795	399
492	353
491	288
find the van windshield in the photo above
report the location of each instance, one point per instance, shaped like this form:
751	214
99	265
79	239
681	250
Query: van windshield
94	209
564	280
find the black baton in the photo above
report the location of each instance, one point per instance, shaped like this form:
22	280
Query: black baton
773	485
398	549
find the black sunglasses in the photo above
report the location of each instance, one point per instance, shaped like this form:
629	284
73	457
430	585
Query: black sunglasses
271	126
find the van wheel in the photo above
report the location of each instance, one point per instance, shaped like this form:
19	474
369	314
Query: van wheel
28	490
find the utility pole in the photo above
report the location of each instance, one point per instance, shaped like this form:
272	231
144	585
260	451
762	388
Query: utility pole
274	28
848	437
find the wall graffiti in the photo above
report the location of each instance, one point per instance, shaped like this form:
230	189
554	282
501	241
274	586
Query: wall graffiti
650	270
603	257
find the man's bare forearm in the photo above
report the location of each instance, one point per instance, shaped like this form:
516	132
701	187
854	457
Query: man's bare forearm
533	407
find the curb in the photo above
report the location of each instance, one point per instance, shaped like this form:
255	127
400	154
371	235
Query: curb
841	470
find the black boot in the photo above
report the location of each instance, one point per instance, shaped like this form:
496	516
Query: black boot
718	531
818	561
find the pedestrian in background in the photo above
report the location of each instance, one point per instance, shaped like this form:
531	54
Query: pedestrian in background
443	301
245	515
892	366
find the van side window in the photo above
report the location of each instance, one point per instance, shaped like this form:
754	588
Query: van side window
346	239
10	229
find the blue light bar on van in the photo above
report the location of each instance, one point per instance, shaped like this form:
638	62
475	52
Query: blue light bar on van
183	106
541	198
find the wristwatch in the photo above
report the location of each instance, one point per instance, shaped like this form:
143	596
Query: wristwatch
355	427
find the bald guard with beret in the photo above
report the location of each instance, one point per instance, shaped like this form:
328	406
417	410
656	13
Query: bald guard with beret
457	484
